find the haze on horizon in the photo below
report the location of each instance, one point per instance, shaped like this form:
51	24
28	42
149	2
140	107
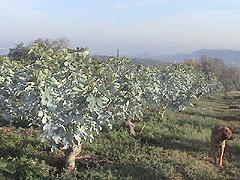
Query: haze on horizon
133	26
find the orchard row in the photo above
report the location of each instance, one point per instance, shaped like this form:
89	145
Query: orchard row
70	94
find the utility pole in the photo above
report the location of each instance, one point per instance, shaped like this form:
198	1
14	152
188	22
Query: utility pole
117	53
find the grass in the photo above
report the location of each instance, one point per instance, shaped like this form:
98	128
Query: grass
175	147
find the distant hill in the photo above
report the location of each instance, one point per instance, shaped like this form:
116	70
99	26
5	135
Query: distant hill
229	57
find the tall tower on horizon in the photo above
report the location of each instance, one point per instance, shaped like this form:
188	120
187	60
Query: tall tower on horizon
118	54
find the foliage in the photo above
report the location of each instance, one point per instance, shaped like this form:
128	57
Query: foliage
70	95
19	53
179	148
128	81
176	85
55	44
7	167
9	78
228	76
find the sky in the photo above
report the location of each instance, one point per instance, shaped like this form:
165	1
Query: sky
133	26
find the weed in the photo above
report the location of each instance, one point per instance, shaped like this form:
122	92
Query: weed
174	147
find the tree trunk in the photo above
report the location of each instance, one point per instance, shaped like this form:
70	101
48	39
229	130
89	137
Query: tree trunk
131	127
70	156
161	114
132	122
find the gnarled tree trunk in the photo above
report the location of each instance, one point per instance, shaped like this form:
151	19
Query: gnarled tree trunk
133	123
70	156
131	127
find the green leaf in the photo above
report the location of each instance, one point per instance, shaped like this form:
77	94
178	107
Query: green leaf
6	166
10	169
3	163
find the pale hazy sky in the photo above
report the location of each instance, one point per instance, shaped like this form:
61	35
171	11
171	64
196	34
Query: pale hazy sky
155	26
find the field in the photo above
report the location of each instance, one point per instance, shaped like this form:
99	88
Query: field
174	147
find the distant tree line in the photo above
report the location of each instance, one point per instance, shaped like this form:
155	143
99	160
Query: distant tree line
150	63
228	76
20	52
230	57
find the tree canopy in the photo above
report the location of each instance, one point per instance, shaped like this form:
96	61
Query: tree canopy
71	94
228	76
